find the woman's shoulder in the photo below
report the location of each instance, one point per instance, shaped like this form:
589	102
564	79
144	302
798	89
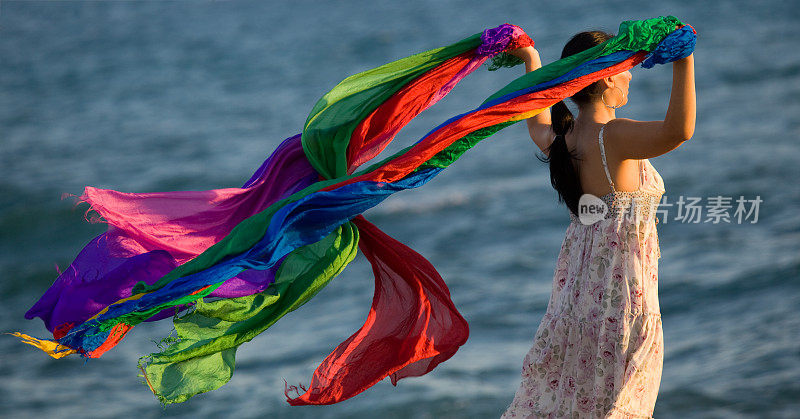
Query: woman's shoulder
626	138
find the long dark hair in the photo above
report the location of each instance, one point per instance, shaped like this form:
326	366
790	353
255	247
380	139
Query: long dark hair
563	174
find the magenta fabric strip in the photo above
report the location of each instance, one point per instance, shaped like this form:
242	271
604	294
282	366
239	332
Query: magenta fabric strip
473	64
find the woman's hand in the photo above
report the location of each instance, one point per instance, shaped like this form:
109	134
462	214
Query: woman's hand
685	59
525	53
529	55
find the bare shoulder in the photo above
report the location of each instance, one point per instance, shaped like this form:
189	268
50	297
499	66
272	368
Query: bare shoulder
630	139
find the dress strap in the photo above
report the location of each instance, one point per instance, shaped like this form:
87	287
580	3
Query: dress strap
641	173
603	155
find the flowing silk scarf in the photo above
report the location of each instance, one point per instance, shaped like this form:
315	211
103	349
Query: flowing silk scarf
226	264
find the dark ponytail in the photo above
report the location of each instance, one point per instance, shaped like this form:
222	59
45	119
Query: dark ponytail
564	176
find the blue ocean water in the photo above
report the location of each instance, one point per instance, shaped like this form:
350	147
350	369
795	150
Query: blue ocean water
142	96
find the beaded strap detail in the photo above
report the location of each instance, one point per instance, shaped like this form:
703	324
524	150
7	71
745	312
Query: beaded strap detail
603	155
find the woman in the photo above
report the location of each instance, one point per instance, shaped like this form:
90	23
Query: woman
598	351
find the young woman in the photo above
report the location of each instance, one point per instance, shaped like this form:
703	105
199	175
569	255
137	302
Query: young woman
598	351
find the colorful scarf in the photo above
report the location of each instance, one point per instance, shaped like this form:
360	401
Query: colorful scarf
226	264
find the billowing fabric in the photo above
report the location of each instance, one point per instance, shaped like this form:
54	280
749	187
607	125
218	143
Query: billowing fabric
149	234
266	248
599	350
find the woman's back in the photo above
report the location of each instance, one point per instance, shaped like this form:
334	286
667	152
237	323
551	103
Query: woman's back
625	173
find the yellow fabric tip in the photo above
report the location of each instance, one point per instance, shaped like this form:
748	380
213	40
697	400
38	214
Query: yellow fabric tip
54	349
526	115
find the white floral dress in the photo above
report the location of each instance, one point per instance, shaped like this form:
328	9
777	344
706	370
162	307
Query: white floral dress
599	350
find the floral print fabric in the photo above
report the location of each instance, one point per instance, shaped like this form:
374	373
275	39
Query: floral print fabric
598	352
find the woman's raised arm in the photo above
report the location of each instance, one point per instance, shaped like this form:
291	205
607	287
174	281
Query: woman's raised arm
630	139
539	126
